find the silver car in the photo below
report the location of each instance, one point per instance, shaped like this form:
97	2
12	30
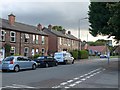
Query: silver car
17	63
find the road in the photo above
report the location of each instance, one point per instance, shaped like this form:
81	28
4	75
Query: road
92	73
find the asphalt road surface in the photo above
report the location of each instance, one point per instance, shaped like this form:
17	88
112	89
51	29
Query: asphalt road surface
92	73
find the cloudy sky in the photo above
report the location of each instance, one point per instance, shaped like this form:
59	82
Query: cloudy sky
66	13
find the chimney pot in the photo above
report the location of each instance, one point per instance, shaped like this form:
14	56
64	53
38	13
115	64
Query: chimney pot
39	26
50	27
11	19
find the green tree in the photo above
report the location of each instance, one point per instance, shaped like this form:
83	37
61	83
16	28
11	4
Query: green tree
58	28
104	19
7	47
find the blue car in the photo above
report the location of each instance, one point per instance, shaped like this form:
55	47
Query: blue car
17	63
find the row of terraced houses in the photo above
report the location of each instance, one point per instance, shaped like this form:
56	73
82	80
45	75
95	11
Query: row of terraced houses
29	40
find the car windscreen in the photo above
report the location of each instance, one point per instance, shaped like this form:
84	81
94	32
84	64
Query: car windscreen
40	58
8	59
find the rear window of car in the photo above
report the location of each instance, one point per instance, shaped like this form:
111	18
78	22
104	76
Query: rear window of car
8	58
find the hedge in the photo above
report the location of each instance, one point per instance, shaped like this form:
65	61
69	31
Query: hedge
83	54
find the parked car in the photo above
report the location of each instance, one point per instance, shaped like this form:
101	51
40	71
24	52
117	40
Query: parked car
103	56
17	63
46	61
64	57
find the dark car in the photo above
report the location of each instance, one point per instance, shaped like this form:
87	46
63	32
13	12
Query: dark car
46	61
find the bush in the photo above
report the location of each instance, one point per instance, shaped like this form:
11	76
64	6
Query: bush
36	56
84	54
75	54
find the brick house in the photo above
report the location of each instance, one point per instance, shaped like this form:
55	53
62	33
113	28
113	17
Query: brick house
24	39
60	40
98	50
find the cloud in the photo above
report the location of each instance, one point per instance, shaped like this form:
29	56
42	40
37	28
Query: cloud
65	14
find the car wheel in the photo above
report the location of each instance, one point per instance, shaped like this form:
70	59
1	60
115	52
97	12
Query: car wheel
16	68
33	66
56	63
4	70
65	62
73	62
46	65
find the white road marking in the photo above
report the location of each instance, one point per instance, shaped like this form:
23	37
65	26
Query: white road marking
67	87
70	81
76	78
63	83
83	78
77	82
71	85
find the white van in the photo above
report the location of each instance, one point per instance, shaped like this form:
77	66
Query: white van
64	57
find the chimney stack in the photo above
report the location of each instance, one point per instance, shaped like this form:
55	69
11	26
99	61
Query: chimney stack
64	31
11	19
39	26
69	32
50	27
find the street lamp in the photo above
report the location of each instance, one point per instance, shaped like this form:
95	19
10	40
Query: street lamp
79	46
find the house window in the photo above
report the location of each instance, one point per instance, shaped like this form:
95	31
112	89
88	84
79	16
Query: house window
12	51
33	52
36	39
43	39
43	50
26	37
33	38
2	35
26	51
60	41
12	36
37	51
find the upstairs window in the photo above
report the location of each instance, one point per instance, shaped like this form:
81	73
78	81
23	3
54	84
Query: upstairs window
12	36
2	35
43	39
26	37
33	38
36	39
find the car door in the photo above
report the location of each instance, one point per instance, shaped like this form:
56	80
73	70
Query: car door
20	62
27	63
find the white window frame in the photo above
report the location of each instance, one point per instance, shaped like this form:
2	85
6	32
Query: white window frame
43	51
33	51
12	36
26	51
37	51
12	49
3	35
36	40
43	39
26	37
33	38
60	41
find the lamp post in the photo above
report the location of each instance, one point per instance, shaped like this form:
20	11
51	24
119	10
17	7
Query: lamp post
79	45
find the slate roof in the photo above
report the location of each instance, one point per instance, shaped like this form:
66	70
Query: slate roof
60	34
21	27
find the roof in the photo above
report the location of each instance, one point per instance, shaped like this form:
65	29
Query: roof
60	34
97	48
20	27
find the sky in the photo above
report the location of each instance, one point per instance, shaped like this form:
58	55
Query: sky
67	13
